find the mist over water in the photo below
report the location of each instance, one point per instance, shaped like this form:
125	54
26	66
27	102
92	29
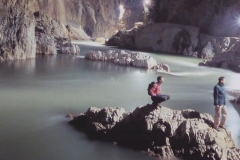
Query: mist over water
36	95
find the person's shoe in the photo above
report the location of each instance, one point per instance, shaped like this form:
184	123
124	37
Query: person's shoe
217	128
223	127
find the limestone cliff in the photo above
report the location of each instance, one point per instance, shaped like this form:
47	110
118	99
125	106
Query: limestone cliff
97	18
17	30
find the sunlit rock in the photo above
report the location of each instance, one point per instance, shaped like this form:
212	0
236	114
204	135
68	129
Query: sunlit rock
122	57
101	40
160	131
207	52
76	33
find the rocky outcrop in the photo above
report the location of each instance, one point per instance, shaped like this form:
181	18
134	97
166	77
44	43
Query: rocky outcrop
53	37
122	57
17	39
160	131
159	37
221	52
46	30
236	96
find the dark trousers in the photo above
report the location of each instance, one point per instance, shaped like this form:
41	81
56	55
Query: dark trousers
160	98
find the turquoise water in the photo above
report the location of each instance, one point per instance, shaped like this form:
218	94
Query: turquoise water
36	95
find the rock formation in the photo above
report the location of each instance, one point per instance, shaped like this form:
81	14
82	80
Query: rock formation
159	37
96	18
160	131
122	57
221	52
52	36
17	38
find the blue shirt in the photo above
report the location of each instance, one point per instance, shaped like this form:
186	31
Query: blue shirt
219	95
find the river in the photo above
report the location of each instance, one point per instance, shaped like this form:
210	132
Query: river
36	95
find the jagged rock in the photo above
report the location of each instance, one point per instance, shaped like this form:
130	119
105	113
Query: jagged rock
222	53
70	48
161	131
17	40
207	52
53	37
135	59
46	30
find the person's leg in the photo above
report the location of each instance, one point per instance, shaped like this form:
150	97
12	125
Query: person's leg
224	116
217	116
155	100
162	98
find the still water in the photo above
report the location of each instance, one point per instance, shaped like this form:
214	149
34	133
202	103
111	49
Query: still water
35	96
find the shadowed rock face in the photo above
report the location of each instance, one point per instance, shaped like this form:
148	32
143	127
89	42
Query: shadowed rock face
159	37
218	17
221	52
160	131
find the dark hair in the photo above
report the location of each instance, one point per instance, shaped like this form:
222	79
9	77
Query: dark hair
159	77
220	79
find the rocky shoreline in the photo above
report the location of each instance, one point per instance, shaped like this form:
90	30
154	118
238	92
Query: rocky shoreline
159	131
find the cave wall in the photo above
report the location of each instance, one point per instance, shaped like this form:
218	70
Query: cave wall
217	18
97	18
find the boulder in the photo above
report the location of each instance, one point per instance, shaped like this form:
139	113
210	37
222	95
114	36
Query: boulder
160	131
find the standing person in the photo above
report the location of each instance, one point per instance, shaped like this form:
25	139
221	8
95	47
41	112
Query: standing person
220	103
155	91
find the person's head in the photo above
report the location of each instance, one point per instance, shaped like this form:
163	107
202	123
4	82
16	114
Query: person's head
221	80
160	79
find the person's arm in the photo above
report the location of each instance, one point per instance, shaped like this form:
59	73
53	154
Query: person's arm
215	95
224	103
152	90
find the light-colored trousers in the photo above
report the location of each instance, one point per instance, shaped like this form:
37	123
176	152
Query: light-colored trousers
220	111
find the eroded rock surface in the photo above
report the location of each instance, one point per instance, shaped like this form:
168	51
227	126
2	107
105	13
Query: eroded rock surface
122	57
17	28
160	131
